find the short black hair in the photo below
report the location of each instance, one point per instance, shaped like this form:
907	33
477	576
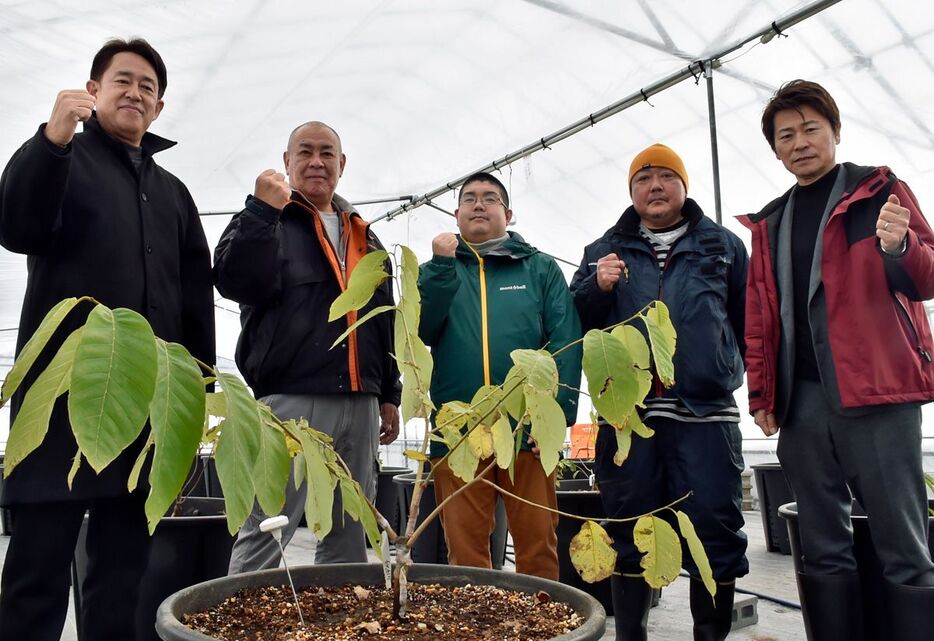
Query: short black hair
797	94
140	47
483	177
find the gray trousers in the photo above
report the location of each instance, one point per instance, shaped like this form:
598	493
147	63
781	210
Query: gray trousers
352	420
878	456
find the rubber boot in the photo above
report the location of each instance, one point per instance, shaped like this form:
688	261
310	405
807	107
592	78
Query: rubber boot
631	599
831	605
713	616
912	611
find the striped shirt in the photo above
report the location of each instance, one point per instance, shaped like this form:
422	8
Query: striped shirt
661	241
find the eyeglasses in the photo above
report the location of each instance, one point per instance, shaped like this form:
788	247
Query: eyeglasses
488	199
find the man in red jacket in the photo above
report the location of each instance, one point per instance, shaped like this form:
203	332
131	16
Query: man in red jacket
839	358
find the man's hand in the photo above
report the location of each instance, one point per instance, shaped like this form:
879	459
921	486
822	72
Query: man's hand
892	225
273	189
766	422
389	423
609	269
444	244
71	107
536	450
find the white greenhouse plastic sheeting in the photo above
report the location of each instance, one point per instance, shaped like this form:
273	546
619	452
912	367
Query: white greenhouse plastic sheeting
424	92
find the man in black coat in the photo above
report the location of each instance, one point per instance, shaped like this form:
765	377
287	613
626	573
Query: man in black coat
96	217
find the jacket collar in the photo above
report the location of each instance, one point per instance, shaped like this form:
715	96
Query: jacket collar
151	143
342	203
513	247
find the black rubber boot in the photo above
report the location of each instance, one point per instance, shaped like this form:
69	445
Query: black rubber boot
832	606
912	611
631	599
713	616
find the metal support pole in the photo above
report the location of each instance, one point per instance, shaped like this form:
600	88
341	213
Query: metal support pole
765	34
714	151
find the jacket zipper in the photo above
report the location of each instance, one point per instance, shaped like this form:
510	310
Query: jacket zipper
911	326
485	339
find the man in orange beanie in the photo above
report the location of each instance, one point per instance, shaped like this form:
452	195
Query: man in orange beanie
663	247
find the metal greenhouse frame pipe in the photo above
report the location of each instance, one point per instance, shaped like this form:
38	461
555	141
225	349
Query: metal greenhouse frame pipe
693	70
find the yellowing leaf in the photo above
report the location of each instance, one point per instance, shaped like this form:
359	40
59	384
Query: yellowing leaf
696	548
463	462
612	379
410	298
623	444
662	550
592	553
215	404
34	347
415	455
480	441
514	401
415	365
502	442
635	344
663	337
320	498
367	275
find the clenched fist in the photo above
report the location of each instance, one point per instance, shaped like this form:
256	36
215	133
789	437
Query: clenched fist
444	244
71	107
609	269
273	189
892	225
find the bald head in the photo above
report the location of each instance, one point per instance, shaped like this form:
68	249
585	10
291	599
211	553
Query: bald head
316	124
314	163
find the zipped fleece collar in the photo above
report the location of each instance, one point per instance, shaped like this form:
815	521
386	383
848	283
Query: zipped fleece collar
514	248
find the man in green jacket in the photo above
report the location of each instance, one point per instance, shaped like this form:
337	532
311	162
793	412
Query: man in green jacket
484	294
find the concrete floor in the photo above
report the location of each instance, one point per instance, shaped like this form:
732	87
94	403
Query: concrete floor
771	574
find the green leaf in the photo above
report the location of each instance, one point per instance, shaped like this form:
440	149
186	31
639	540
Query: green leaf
514	401
638	427
271	472
549	426
663	336
696	548
32	421
112	383
623	444
298	468
360	321
416	365
662	548
319	500
635	344
350	500
137	468
592	553
539	368
177	418
216	404
236	450
367	275
611	377
34	347
502	442
368	519
410	298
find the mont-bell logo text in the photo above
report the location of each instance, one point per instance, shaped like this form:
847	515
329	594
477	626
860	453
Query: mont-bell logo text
511	288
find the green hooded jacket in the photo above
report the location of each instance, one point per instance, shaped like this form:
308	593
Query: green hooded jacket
475	311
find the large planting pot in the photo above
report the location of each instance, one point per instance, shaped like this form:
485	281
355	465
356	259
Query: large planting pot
430	546
185	550
876	617
201	597
774	492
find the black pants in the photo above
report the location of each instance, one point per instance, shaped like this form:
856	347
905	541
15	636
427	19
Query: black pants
703	458
878	456
36	571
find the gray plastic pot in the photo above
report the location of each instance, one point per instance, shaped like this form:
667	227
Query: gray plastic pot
204	595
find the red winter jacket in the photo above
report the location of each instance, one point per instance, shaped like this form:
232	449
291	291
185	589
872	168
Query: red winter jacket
879	338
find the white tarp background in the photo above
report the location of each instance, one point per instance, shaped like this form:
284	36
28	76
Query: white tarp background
422	92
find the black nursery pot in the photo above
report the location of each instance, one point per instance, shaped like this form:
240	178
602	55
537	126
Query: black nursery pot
205	595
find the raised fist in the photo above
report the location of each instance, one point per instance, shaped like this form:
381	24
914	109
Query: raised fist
444	244
609	269
892	224
273	189
71	106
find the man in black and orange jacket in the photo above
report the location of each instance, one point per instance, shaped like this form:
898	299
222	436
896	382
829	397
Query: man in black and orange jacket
285	258
839	358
